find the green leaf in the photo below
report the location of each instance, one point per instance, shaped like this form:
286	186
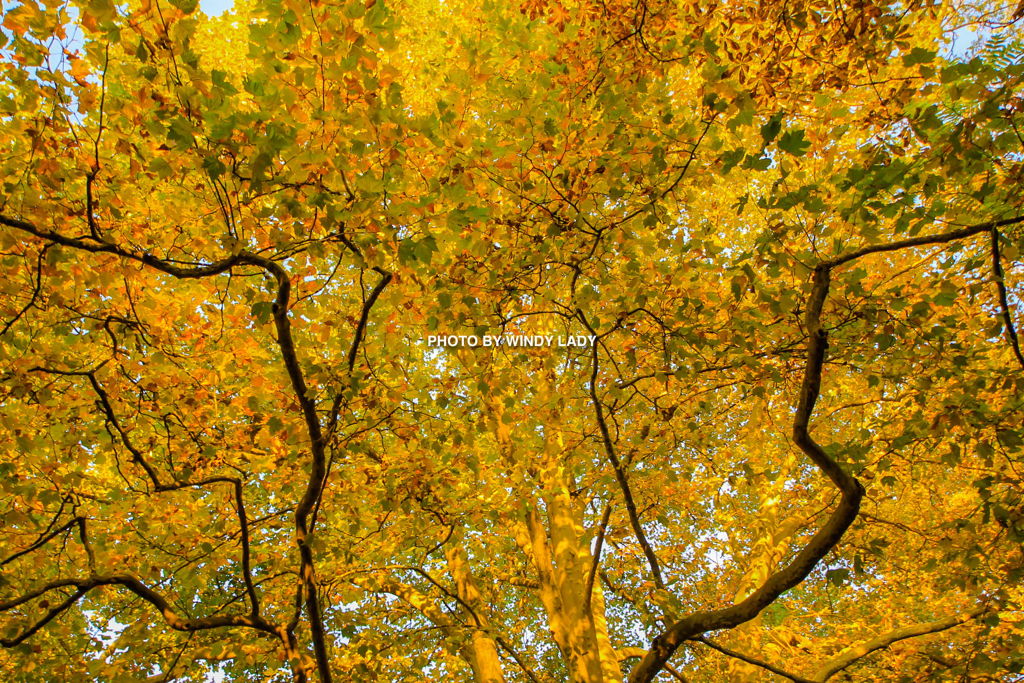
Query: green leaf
161	167
214	166
263	311
794	142
772	128
837	577
918	55
731	159
425	248
181	133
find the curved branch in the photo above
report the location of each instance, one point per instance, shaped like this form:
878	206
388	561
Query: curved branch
750	660
845	659
143	591
140	458
633	652
140	589
365	316
286	344
828	536
817	547
357	339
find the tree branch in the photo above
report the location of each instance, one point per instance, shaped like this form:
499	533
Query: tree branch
47	618
848	657
817	547
750	660
997	272
828	536
941	238
36	291
84	538
620	473
518	659
357	339
140	589
632	652
286	344
158	486
40	543
198	271
589	590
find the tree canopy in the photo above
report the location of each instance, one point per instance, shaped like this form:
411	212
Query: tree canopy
788	447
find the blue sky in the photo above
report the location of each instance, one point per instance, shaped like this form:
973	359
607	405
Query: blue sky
214	8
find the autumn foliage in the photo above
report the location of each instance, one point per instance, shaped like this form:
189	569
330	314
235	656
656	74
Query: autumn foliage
795	449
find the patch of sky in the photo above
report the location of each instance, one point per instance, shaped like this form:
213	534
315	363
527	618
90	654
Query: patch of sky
215	8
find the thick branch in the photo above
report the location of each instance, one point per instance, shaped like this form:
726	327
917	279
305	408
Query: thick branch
246	567
84	538
286	344
820	544
848	657
997	272
596	562
941	238
851	490
633	652
140	589
197	271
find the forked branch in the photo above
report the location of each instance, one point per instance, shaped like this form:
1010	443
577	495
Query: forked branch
159	486
134	585
286	344
828	536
